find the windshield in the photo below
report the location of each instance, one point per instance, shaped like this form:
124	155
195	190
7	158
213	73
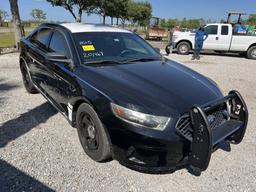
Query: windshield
119	47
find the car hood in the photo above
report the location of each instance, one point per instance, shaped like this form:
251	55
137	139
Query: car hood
154	87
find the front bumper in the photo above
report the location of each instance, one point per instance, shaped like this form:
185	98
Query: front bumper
150	154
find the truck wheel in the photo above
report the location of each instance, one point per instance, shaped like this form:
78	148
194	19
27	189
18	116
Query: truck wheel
251	53
183	48
167	49
92	134
27	80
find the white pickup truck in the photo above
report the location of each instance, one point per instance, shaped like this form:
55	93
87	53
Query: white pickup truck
221	39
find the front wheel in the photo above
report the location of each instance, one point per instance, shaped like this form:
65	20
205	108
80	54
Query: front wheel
251	53
167	49
92	134
183	48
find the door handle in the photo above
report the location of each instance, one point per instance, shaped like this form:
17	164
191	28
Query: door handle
217	38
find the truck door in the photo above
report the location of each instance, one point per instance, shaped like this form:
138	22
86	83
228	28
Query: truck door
213	37
219	37
225	38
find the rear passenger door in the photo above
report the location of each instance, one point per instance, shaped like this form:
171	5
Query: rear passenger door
219	37
225	38
37	53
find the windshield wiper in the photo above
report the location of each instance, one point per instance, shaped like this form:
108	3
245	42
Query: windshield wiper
99	62
143	59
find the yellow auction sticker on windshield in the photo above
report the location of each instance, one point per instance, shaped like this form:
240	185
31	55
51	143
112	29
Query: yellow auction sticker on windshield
88	48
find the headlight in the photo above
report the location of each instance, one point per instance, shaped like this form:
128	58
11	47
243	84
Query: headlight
141	119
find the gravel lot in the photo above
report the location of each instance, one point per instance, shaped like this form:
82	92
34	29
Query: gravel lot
39	151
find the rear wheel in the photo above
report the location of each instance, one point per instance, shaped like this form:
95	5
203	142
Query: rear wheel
183	48
27	79
92	134
251	53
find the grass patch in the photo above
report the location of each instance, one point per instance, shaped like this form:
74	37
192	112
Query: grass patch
8	39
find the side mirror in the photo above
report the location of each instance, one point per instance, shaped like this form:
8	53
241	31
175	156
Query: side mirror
57	57
157	49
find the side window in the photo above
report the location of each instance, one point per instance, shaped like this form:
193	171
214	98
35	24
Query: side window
58	44
41	38
212	29
224	30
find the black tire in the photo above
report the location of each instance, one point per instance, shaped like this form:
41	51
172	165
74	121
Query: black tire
92	134
159	38
251	53
167	49
30	88
183	48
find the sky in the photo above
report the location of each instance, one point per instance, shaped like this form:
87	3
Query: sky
207	9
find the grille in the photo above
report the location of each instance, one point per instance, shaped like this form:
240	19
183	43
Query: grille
215	117
184	127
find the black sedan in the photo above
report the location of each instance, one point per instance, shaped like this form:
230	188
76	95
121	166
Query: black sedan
128	102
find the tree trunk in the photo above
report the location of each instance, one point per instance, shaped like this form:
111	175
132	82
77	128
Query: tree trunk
104	19
79	16
18	28
123	22
117	21
112	21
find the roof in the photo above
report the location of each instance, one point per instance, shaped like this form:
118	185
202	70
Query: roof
80	27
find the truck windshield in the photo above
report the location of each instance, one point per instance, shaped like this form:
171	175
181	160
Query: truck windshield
112	46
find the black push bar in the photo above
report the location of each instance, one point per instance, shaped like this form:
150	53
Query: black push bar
206	138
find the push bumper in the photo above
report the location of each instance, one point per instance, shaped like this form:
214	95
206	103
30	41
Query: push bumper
206	139
155	155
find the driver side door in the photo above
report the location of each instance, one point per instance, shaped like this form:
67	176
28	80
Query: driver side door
211	43
63	87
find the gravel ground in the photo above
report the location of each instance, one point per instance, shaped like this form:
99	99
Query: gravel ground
39	151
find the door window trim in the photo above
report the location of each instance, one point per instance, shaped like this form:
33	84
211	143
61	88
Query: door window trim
212	26
222	30
66	41
48	42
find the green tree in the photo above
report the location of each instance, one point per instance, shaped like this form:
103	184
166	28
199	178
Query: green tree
119	10
252	19
222	21
3	15
38	15
18	28
72	5
163	23
112	8
184	23
104	8
139	12
193	23
171	23
122	12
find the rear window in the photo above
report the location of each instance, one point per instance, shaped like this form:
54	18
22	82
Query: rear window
224	30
